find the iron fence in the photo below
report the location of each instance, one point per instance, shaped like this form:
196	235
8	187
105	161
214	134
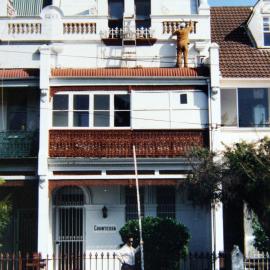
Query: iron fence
109	261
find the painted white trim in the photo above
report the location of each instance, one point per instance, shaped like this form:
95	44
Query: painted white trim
117	177
18	177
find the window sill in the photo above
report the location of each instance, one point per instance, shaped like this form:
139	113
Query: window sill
245	129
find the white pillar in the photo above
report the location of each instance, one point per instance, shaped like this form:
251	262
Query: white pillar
204	8
214	99
44	219
129	8
44	228
3	8
215	139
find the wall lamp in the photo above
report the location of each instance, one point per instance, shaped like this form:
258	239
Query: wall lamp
104	211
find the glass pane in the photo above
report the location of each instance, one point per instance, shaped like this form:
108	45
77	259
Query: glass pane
253	107
101	102
266	39
60	102
116	9
60	119
122	102
17	121
228	107
122	119
81	102
101	119
80	119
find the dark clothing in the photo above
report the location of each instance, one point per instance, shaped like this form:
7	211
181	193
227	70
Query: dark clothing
127	267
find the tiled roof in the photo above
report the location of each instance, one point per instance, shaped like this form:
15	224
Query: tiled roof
131	72
239	58
18	73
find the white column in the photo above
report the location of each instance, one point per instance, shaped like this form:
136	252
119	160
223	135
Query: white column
204	8
44	218
214	101
3	8
215	139
129	8
44	228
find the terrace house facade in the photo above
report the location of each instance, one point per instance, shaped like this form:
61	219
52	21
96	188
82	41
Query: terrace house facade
81	83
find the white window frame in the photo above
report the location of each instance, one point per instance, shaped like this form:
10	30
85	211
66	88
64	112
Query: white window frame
91	109
266	30
237	108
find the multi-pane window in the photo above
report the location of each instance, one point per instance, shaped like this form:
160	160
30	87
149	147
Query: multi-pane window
116	11
17	111
245	107
165	202
101	110
81	110
121	111
131	203
60	110
266	31
91	110
143	11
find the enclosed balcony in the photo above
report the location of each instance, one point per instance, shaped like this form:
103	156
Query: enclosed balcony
19	114
18	144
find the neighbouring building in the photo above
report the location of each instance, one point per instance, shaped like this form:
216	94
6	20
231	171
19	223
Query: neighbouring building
243	36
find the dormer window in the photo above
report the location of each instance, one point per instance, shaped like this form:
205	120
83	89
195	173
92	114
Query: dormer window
266	31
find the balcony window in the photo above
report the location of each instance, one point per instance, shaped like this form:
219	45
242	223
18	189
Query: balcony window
81	111
30	7
143	11
266	31
60	111
245	107
101	110
131	203
116	11
166	202
121	111
91	110
16	111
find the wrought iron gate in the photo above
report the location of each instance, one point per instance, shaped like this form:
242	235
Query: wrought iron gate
69	228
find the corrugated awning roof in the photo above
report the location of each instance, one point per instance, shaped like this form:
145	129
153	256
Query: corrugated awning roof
131	72
18	73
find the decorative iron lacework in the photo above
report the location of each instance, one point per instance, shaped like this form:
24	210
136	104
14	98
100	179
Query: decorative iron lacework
118	143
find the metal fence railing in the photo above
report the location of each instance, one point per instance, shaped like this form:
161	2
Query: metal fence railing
109	261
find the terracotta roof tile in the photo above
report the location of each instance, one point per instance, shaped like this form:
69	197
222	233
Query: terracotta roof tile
131	72
239	58
18	73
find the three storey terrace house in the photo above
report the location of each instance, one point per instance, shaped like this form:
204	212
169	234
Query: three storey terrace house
82	82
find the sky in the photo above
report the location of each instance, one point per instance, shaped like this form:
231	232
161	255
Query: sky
232	2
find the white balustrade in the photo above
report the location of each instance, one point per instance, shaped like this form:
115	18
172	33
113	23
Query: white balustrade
79	28
24	28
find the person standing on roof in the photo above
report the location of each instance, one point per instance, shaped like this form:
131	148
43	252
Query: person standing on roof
182	35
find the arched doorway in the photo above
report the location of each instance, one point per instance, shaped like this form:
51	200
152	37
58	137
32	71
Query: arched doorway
69	227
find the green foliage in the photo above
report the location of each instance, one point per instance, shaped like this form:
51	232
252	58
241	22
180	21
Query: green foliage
262	241
5	211
165	241
243	172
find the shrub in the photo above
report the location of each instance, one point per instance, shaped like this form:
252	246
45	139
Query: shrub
165	241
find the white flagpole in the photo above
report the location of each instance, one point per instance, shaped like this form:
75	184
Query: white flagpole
139	206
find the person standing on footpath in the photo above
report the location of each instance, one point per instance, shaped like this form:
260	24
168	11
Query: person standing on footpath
126	254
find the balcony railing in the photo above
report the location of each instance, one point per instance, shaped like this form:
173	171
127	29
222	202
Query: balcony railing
18	144
118	143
